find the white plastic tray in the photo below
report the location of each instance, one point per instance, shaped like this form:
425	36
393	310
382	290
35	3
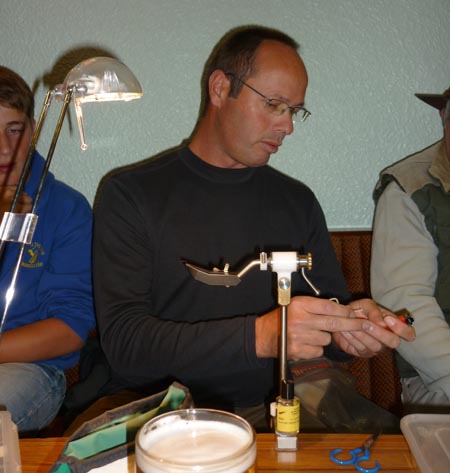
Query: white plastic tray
428	437
9	445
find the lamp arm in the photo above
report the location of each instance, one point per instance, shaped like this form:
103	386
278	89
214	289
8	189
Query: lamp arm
62	115
9	295
32	147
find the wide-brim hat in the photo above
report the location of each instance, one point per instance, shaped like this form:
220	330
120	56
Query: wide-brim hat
438	101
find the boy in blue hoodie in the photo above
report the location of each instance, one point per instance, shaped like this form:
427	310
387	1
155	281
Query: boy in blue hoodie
52	310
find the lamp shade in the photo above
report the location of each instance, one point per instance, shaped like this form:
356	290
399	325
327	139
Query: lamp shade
102	79
98	79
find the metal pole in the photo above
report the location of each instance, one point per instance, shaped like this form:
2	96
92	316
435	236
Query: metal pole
283	346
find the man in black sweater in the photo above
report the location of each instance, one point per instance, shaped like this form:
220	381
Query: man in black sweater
215	201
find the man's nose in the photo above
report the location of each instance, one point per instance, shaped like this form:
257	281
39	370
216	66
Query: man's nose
286	124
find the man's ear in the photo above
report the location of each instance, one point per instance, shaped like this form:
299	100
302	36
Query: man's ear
219	87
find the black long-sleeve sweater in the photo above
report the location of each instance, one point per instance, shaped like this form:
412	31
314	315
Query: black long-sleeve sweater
156	322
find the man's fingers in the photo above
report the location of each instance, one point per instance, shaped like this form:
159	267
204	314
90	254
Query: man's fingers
331	323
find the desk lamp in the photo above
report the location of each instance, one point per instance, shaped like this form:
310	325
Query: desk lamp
98	79
286	409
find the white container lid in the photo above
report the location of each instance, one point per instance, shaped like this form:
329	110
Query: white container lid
428	437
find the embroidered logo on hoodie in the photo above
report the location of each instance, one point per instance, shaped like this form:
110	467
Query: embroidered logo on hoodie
32	257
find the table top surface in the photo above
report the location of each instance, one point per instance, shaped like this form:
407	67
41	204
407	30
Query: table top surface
392	452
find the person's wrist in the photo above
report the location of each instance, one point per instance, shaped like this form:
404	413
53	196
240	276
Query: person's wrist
266	335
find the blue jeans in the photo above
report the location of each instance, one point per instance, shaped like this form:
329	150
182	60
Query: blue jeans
32	393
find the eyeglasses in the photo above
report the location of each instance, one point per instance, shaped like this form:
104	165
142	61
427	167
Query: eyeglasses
277	106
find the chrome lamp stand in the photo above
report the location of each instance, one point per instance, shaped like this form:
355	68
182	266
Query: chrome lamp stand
98	79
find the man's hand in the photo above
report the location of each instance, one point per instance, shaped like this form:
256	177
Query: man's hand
24	202
358	329
385	331
311	322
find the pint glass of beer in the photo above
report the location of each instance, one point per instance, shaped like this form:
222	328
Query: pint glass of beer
200	440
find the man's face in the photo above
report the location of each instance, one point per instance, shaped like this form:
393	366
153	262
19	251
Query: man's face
248	133
15	137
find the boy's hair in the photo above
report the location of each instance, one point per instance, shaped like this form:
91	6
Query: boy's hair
15	92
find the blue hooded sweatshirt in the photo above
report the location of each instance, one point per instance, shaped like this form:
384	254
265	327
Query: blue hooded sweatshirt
54	279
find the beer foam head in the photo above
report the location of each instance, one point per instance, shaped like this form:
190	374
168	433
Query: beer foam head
193	443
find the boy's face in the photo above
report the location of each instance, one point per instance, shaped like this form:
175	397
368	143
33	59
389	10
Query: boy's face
15	136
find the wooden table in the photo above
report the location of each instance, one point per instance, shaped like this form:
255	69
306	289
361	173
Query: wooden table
392	451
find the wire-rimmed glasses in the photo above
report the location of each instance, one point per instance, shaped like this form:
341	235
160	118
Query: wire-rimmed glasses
276	106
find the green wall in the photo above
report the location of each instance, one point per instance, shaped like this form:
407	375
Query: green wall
366	59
